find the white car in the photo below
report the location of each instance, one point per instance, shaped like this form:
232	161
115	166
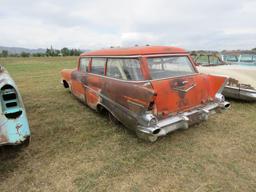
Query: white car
242	78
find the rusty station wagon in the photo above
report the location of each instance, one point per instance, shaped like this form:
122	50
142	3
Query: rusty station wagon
152	90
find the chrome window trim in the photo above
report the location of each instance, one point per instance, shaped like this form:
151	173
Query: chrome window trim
138	57
129	81
109	56
191	62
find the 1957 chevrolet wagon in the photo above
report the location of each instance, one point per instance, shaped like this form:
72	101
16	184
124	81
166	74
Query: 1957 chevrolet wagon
152	90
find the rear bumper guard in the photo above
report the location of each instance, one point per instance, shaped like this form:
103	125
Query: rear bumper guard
180	121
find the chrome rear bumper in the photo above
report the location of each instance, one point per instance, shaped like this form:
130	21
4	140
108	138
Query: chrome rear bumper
180	121
240	93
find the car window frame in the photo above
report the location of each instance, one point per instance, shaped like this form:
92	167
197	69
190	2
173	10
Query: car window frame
89	63
171	55
136	58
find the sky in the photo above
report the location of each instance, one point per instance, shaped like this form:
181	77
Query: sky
95	24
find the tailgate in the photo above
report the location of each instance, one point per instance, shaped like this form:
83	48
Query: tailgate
184	93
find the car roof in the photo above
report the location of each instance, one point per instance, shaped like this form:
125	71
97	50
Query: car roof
145	50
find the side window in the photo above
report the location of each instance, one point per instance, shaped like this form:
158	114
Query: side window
231	58
203	60
125	69
246	58
98	66
84	63
214	60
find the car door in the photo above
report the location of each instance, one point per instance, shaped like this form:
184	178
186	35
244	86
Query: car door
93	81
77	82
126	86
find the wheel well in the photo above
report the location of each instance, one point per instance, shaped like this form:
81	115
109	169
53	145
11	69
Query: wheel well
65	84
102	109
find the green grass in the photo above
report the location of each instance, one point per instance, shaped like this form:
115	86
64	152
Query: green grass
75	149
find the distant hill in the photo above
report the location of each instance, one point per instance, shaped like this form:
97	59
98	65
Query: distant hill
18	50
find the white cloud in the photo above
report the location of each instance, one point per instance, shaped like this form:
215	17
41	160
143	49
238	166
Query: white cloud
198	24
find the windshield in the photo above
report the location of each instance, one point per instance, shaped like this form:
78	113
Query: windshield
170	66
247	58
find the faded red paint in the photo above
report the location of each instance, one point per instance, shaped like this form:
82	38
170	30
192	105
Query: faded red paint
171	95
215	82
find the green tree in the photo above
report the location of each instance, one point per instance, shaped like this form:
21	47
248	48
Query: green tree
71	52
56	52
13	55
4	53
48	52
65	51
38	54
25	54
77	52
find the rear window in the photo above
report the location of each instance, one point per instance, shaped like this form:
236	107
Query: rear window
125	69
164	67
98	66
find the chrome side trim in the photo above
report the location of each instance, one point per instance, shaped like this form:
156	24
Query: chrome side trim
127	81
136	104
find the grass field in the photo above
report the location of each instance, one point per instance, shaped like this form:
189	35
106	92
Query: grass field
75	149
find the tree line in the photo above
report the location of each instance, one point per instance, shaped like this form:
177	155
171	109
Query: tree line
50	52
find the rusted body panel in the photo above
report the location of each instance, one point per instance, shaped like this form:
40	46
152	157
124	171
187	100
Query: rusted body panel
188	92
151	107
14	127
